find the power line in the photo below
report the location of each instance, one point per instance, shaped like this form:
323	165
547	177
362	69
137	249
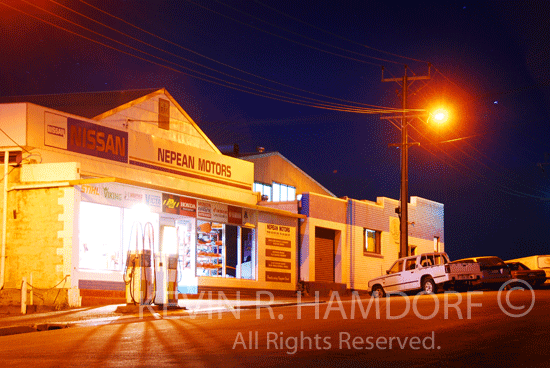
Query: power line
290	40
322	105
203	56
336	35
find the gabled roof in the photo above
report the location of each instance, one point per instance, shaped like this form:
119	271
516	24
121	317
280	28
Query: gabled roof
251	156
85	104
99	105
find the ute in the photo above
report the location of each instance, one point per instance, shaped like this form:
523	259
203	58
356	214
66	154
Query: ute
428	272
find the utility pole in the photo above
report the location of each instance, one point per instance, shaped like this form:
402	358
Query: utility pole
404	250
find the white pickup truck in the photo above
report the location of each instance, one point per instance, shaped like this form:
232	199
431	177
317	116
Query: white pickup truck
427	272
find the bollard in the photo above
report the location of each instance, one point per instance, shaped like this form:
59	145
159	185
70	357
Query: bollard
31	296
24	296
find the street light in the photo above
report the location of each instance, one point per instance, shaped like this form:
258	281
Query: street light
404	145
440	116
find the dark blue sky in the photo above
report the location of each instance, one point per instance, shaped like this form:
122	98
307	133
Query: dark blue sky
490	65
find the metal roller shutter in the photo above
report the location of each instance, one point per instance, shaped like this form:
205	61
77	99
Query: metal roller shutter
324	255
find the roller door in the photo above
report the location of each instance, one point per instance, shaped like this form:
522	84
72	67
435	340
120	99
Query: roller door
324	255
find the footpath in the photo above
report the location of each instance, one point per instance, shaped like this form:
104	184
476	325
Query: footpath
13	322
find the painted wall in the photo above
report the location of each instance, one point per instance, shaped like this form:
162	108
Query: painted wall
40	230
349	218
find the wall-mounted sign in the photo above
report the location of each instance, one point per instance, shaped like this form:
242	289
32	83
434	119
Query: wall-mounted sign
276	253
234	215
277	264
170	203
117	195
86	138
278	276
188	207
179	159
280	243
204	210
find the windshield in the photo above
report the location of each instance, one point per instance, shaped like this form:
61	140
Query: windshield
544	262
397	267
492	261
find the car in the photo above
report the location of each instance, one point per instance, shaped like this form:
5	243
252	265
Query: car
493	269
536	262
519	271
427	272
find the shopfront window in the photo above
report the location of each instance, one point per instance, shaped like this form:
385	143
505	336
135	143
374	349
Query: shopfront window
140	230
225	250
100	237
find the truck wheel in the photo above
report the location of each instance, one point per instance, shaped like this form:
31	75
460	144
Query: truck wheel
378	292
428	286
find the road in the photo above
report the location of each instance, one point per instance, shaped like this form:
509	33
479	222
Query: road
468	329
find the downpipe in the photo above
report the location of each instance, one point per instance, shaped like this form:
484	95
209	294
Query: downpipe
4	220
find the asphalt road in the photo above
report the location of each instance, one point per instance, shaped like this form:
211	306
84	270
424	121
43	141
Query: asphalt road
416	331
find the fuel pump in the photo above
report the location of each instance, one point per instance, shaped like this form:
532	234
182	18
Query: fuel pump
138	275
167	269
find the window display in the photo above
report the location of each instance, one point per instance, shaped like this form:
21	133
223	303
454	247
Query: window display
100	237
225	250
210	249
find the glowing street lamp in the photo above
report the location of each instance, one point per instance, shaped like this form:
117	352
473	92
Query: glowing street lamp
440	116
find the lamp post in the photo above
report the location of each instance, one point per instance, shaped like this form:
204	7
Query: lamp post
404	145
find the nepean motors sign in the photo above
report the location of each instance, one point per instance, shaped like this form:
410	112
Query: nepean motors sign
179	159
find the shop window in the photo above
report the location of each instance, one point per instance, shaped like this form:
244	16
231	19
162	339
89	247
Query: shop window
140	230
224	250
100	237
371	241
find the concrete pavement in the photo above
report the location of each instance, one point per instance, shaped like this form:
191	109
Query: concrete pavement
13	322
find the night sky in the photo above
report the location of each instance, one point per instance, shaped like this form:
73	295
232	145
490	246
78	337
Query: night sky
304	78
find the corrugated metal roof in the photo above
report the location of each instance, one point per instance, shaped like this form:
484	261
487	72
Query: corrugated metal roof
85	104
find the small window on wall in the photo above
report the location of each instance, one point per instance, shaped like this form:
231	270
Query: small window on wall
283	192
371	241
264	189
100	237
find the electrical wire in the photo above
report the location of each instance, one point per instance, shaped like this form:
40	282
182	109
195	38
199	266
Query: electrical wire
295	33
288	39
204	66
323	105
336	35
208	58
478	153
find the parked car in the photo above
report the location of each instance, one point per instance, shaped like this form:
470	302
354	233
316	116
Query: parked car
493	269
427	272
520	271
537	262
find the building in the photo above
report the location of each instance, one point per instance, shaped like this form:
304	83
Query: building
343	242
90	178
93	181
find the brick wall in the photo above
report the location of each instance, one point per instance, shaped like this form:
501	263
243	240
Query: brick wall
36	219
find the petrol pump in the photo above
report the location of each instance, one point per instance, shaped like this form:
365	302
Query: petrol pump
139	275
167	268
